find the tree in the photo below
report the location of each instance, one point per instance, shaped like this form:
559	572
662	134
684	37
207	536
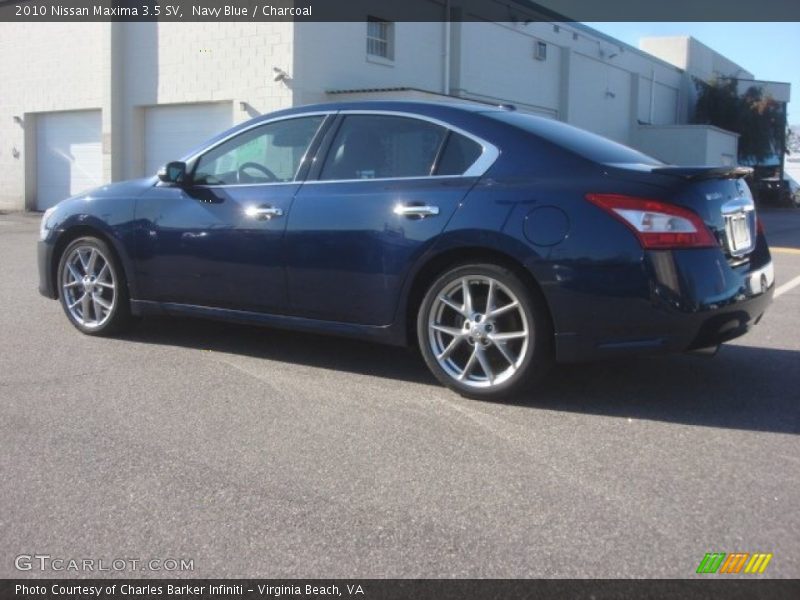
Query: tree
756	117
793	140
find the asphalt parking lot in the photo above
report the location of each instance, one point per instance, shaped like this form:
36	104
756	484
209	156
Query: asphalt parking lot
256	452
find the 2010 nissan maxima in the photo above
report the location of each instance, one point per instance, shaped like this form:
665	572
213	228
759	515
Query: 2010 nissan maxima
497	241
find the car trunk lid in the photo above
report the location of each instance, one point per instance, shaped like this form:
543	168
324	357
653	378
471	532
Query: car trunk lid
719	195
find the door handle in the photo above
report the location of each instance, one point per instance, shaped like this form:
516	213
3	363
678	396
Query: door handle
416	210
263	213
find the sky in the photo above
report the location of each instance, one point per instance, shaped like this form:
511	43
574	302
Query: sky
770	51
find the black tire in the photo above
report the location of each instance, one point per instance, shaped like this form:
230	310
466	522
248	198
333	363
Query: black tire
534	358
110	321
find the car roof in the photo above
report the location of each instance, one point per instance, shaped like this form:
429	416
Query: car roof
417	106
424	108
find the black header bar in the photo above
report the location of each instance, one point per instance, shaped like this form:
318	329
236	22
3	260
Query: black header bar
400	589
520	11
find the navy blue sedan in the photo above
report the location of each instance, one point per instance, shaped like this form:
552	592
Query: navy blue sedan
496	241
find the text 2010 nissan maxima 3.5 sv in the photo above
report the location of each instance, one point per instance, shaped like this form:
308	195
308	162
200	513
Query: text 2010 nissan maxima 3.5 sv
497	241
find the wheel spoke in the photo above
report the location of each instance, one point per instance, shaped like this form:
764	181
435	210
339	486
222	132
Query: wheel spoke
448	302
98	300
503	349
103	271
98	308
105	284
503	309
470	363
92	262
84	263
511	335
490	298
467	296
484	360
72	283
450	348
454	331
74	272
86	303
77	301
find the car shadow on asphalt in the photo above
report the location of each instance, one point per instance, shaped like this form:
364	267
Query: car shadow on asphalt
743	387
322	351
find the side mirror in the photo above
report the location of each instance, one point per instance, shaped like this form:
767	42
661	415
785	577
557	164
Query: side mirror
173	172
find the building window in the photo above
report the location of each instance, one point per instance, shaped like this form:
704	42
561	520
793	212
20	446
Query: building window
540	51
380	38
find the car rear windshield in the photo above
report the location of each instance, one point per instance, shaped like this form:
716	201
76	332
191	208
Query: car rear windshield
586	144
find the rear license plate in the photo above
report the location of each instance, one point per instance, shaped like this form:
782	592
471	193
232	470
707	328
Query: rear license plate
739	232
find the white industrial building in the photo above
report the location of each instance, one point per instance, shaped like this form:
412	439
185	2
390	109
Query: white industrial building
792	164
87	103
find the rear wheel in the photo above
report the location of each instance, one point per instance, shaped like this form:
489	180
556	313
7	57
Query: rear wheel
92	287
482	333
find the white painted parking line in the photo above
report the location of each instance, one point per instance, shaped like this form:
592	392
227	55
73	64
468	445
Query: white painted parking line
792	283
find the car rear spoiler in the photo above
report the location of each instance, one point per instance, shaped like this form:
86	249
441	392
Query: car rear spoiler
700	173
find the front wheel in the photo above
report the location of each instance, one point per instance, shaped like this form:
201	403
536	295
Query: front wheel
483	333
92	287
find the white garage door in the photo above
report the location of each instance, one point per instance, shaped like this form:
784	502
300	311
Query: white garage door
69	155
170	131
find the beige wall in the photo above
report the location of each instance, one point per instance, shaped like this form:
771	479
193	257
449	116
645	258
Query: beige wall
587	79
121	68
179	63
40	72
333	56
497	60
689	54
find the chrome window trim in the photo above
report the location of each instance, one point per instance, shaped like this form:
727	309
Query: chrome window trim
488	156
238	185
365	180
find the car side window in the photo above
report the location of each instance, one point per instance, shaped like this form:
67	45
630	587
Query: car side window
458	155
268	154
382	146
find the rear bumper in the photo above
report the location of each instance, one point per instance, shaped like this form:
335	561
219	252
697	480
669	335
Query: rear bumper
676	301
741	314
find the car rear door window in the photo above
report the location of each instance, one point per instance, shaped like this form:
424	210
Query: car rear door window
458	155
268	154
382	146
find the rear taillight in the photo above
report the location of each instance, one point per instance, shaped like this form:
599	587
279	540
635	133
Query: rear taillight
760	226
657	225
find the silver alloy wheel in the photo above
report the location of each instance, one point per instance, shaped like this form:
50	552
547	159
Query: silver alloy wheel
88	286
478	331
